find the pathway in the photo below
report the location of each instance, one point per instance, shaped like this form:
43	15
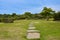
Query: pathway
32	33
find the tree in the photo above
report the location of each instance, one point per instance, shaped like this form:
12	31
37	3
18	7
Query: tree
28	15
13	14
36	16
46	12
57	16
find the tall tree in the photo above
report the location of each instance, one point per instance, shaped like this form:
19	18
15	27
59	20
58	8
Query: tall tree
46	12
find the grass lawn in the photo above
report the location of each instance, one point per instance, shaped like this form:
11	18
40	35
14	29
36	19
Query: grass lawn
49	30
14	31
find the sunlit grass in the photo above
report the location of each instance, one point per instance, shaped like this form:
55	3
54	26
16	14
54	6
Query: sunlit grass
14	31
49	30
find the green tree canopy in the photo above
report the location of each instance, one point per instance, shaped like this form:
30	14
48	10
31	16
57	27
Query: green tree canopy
28	15
46	12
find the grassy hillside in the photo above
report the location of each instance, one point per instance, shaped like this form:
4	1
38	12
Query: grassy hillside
50	30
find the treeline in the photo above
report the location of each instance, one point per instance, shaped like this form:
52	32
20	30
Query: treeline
46	13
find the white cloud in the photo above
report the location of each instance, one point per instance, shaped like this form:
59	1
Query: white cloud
54	7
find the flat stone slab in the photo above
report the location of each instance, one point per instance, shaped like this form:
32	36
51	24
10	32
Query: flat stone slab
33	35
33	31
31	25
32	28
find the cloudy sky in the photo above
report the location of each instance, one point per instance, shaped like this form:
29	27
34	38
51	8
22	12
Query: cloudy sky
21	6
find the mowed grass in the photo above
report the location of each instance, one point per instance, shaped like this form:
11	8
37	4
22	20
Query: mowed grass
49	30
14	31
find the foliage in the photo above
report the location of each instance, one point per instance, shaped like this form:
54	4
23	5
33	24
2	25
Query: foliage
57	16
46	12
28	15
8	20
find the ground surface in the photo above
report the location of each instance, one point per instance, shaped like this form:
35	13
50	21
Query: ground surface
50	30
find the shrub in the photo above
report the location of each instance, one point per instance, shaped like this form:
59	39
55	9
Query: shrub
1	19
8	20
57	16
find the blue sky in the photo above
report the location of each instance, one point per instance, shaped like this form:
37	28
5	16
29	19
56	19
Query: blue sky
21	6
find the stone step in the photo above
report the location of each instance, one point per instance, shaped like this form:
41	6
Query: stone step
33	31
31	25
33	34
32	28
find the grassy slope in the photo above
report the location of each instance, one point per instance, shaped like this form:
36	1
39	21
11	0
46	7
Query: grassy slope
50	30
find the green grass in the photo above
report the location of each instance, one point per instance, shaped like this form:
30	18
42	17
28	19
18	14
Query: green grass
49	30
14	31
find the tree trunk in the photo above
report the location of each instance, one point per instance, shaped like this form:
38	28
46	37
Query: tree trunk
47	18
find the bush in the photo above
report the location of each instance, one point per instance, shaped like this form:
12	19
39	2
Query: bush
1	19
57	16
8	20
